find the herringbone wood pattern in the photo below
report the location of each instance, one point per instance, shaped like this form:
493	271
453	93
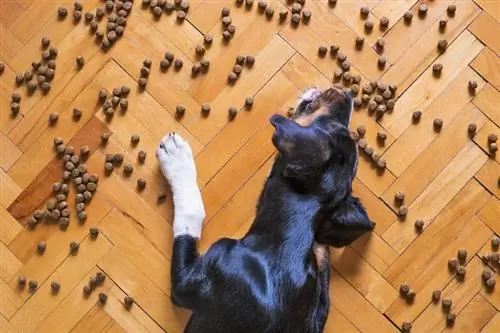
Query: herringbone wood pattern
450	180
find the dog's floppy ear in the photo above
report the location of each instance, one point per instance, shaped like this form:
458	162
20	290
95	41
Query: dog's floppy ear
347	222
305	146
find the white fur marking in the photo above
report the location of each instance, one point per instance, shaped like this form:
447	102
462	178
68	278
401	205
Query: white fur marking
309	95
177	164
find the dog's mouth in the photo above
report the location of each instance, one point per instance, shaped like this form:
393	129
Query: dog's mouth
314	103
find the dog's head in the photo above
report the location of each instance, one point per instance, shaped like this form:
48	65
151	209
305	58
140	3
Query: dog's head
318	157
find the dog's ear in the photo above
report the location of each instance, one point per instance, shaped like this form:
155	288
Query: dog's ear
304	146
347	223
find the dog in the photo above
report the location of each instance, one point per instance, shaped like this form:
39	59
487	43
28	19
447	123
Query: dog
274	279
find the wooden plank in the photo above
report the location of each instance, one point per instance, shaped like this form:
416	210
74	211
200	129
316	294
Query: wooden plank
337	322
9	227
366	280
9	153
9	189
473	317
76	312
485	27
418	58
427	87
481	139
232	137
95	320
487	101
69	274
461	293
127	236
424	263
491	7
490	214
488	65
436	196
447	144
146	295
394	10
417	137
493	325
10	264
133	320
11	302
353	304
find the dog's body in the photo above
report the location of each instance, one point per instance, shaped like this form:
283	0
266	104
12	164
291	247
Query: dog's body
275	279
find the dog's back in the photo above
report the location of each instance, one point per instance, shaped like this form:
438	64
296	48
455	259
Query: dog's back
253	291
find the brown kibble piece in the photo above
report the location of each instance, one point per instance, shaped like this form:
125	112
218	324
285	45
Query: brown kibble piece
55	286
21	282
93	233
381	136
437	69
410	296
180	110
128	301
73	247
249	102
422	9
452	264
486	274
134	139
40	247
450	319
364	11
491	282
359	42
495	242
103	298
472	85
446	303
462	255
108	168
205	109
322	50
141	156
408	16
77	114
438	124
492	137
141	184
368	26
436	295
381	62
86	290
296	18
406	327
442	45
80	61
306	15
32	285
417	115
361	130
402	211
384	22
404	288
451	10
471	129
62	12
419	224
399	196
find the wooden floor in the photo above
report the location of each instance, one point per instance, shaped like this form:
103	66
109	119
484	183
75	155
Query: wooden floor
450	179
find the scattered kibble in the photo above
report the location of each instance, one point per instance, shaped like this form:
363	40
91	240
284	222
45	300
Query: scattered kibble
40	247
21	282
450	319
471	129
422	10
419	225
404	288
55	286
32	285
406	327
438	124
93	233
437	69
408	17
128	301
436	295
451	10
103	298
128	169
452	264
462	255
73	247
461	271
446	303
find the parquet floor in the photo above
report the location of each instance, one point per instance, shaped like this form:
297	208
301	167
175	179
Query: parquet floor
450	179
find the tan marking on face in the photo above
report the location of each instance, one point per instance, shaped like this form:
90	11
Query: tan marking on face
322	254
308	119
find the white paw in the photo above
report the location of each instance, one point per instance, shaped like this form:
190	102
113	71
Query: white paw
177	164
309	95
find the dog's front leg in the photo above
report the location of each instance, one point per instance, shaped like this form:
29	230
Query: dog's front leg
188	269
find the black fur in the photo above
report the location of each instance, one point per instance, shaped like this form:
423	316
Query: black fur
270	280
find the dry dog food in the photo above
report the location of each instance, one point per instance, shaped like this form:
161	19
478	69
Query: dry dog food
21	282
103	298
495	242
419	224
128	169
205	109
296	18
451	10
447	303
62	12
438	124
93	233
141	184
442	24
368	26
364	11
134	139
384	23
406	327
403	210
450	319
410	296
73	247
416	116
422	10
437	68
436	295
306	15
55	286
359	42
249	102
32	285
471	129
322	51
381	62
249	60
404	288
40	247
452	264
462	255
408	17
77	114
442	45
128	301
80	61
232	112
141	156
180	110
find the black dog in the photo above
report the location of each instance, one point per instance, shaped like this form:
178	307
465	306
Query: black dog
275	279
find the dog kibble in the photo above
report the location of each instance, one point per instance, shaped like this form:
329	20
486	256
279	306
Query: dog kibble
45	87
451	10
399	196
381	62
495	242
87	196
404	288
491	282
40	247
73	247
438	124
80	207
21	282
462	255
205	109
406	327
108	168
416	116
86	291
296	18
493	147
486	274
322	50
471	129
368	26
419	225
408	17
402	211
62	205
442	45
447	303
103	298
306	15
450	319
77	15
128	301
93	233
492	138
134	139
357	102
410	296
422	10
62	12
55	286
32	285
437	69
128	169
452	264
436	295
359	42
364	11
384	23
